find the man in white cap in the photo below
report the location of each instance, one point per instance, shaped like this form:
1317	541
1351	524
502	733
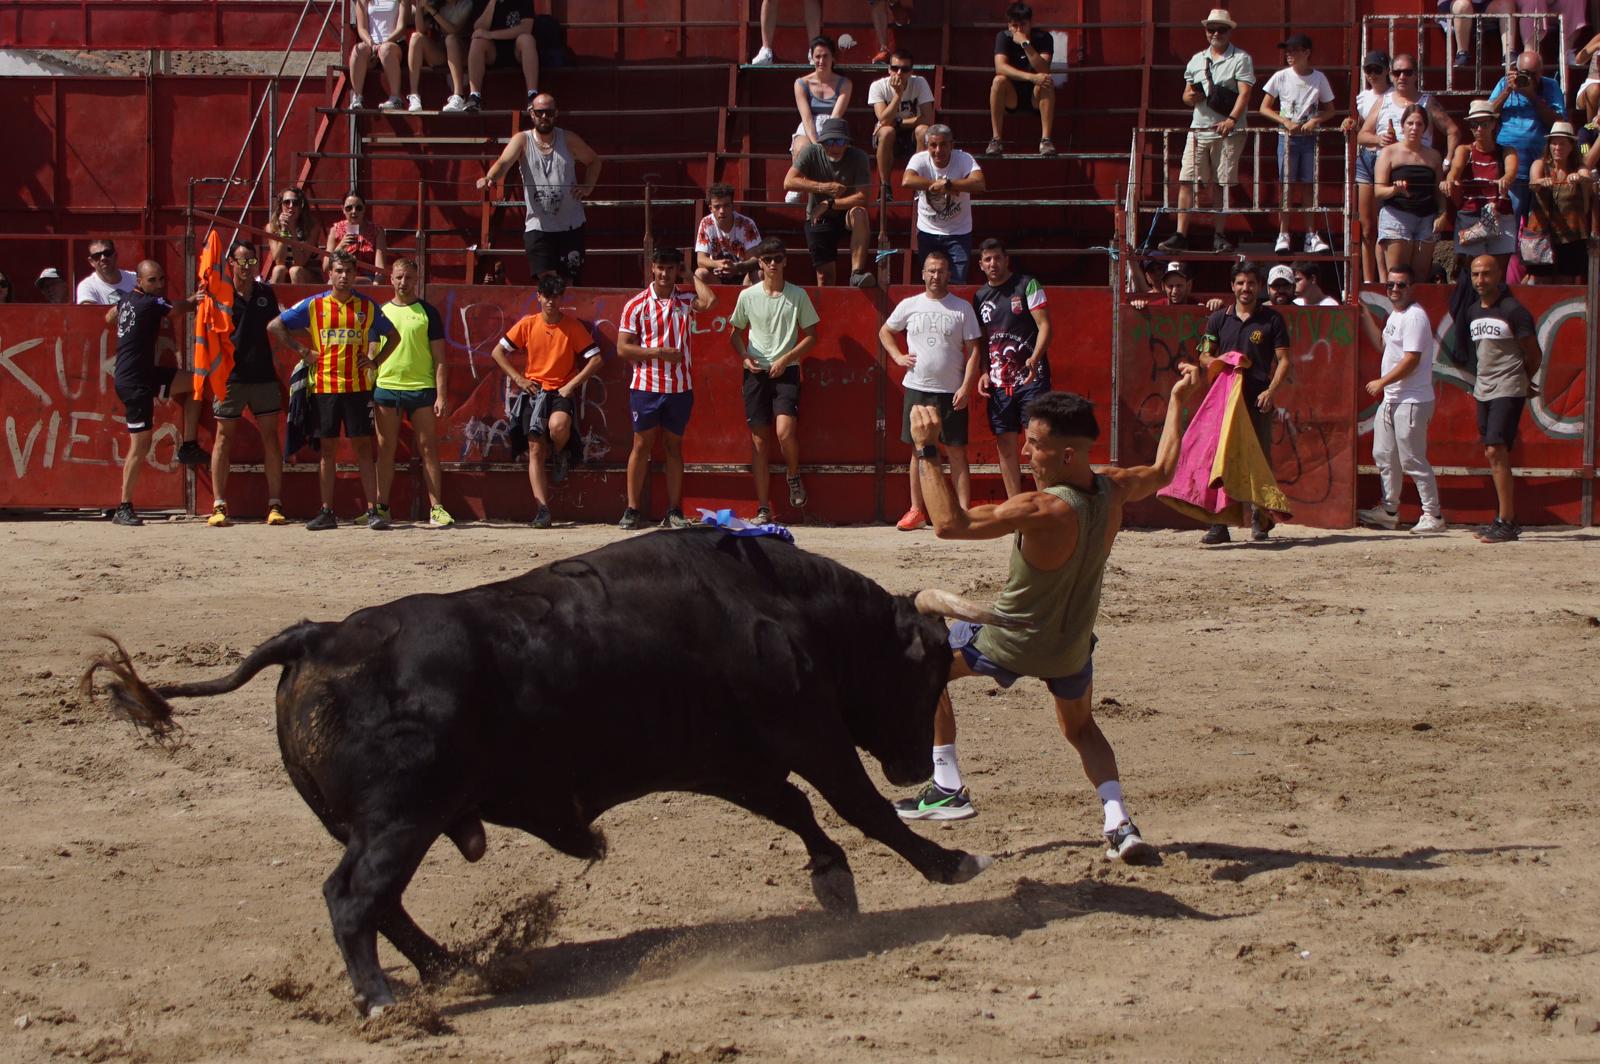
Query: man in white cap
1177	290
51	285
1280	286
1217	83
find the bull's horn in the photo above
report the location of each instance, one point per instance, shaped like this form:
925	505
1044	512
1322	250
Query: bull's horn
943	603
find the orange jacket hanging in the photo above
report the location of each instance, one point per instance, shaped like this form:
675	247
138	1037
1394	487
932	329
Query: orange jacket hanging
213	320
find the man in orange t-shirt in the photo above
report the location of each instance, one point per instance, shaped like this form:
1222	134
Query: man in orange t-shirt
554	344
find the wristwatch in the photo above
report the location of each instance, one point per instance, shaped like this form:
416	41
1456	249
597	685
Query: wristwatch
928	452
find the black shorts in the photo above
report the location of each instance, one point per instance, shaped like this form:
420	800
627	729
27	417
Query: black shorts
561	253
1025	100
765	396
905	141
822	238
351	411
1498	420
1007	412
139	399
505	54
557	403
953	422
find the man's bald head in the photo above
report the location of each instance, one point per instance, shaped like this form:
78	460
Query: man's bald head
147	268
152	278
1486	262
1530	63
542	102
1486	276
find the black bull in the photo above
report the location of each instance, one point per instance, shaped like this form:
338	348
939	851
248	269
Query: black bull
686	661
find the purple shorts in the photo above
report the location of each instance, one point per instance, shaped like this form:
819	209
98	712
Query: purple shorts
964	633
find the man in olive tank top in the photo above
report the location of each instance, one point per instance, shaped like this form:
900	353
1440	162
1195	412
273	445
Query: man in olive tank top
1063	535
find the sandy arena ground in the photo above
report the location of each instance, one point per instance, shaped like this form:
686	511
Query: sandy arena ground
1369	762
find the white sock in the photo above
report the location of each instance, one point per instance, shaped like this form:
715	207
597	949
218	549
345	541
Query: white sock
946	770
1111	798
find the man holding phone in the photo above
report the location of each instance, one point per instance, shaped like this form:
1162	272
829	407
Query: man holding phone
1217	84
1528	103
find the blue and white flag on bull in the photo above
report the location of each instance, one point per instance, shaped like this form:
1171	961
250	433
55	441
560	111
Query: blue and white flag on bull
740	527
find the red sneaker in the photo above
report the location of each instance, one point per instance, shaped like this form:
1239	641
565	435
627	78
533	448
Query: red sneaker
913	520
882	56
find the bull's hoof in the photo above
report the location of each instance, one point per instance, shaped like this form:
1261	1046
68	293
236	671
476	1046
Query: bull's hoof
971	864
374	1011
835	889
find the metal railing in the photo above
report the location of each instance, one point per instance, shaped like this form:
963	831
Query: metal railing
1154	160
1474	78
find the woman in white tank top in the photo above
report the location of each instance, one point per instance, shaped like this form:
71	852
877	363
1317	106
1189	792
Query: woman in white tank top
380	27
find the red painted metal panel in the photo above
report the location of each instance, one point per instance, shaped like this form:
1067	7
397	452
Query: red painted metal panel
64	442
1313	445
216	25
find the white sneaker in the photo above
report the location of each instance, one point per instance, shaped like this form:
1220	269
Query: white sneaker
763	57
355	101
413	103
1378	517
1429	523
1282	246
794	197
454	104
1315	245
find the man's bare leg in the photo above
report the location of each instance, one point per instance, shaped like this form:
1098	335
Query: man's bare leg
1010	463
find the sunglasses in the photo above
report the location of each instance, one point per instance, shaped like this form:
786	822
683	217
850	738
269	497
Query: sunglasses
1397	284
772	260
834	142
1219	31
354	208
899	69
1374	69
1402	72
290	201
245	262
543	112
109	253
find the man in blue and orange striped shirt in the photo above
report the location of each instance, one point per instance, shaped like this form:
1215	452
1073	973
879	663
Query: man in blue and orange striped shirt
343	325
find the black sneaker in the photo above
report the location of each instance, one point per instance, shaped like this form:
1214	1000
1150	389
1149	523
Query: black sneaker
631	521
377	519
675	519
124	515
1124	844
1221	245
191	453
1500	531
1176	242
763	517
542	518
323	521
474	103
797	492
1215	534
933	802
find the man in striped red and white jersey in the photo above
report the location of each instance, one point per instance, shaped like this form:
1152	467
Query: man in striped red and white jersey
343	325
654	336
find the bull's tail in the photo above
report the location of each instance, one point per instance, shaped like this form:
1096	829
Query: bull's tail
147	707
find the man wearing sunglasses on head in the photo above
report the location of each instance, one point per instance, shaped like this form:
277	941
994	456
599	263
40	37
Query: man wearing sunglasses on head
834	176
553	235
1405	406
108	283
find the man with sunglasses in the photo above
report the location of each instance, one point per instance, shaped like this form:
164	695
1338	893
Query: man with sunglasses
1381	127
903	103
1405	406
252	385
834	176
771	328
553	235
1216	137
107	284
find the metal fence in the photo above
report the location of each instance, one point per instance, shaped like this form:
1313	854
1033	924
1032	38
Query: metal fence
1411	33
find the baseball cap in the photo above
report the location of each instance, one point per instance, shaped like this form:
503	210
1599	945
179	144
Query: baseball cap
1375	58
1296	40
1175	268
832	128
49	273
1278	273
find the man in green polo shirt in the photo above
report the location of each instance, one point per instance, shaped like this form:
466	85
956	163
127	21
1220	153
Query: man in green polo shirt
773	326
411	381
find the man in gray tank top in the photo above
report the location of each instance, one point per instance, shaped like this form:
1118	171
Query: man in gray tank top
1062	536
551	191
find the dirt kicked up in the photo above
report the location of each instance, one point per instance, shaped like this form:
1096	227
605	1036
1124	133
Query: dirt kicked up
1368	761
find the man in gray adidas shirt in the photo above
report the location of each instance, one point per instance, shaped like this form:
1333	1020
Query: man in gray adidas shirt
1507	350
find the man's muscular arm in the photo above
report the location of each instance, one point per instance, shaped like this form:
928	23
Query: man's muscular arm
1031	511
1141	482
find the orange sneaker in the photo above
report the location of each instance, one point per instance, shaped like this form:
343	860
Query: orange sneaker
913	520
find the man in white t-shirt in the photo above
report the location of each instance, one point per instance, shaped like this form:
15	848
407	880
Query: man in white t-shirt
1297	98
903	103
1400	422
107	284
944	178
1308	289
941	363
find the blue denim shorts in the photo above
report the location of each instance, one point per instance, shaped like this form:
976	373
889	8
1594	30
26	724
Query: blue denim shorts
1297	159
964	633
1366	165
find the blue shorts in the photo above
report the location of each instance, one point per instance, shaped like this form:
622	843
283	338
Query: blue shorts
958	247
407	401
1297	159
1006	412
1366	165
964	633
668	410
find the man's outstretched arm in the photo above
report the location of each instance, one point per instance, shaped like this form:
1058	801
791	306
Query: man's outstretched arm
1141	482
